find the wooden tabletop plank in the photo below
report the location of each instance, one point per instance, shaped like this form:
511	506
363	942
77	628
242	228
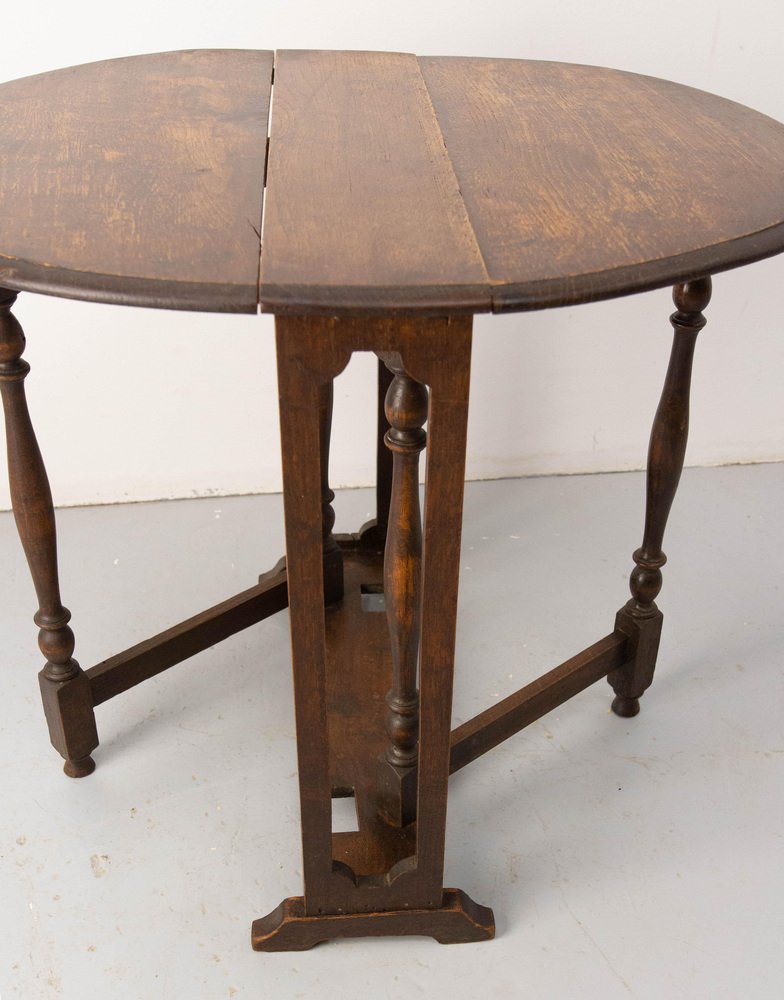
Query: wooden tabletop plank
363	212
137	180
583	182
443	185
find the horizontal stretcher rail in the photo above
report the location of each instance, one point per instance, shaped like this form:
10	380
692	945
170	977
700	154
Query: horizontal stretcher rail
536	699
154	655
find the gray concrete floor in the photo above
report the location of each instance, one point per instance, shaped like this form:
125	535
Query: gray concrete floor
623	858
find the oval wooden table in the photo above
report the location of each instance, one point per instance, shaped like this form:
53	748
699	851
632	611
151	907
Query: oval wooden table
400	196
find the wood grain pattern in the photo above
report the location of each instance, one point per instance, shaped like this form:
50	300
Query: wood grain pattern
65	689
363	210
505	185
137	180
446	369
458	920
640	618
507	717
358	669
300	422
152	656
333	561
583	183
397	185
328	685
407	411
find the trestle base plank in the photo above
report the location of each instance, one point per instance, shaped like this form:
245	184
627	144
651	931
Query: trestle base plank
459	920
359	673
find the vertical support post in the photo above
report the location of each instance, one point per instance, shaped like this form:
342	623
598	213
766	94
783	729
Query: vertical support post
422	583
301	428
65	689
448	376
333	559
406	411
641	619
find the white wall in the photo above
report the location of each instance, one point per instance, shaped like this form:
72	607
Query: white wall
135	404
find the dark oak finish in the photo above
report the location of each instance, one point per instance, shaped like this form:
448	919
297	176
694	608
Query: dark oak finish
423	352
137	180
300	410
152	656
358	671
373	534
64	687
601	203
459	920
333	561
402	196
394	184
379	224
581	182
383	454
536	699
640	618
406	410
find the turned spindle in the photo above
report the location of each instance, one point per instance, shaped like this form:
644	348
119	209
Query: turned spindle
406	410
64	686
333	560
641	618
384	459
373	534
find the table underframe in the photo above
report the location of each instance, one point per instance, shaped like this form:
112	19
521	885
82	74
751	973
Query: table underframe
373	617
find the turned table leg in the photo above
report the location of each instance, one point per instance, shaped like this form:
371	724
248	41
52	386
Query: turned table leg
65	688
640	618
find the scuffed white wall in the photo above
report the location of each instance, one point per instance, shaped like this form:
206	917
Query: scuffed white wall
137	404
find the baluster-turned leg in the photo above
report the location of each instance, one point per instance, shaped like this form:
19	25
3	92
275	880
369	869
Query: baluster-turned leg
333	559
406	411
65	688
640	619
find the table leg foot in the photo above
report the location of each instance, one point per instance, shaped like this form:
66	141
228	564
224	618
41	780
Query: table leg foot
459	920
627	708
68	707
79	768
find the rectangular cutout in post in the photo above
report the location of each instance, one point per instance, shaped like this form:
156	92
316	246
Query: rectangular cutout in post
344	814
371	596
